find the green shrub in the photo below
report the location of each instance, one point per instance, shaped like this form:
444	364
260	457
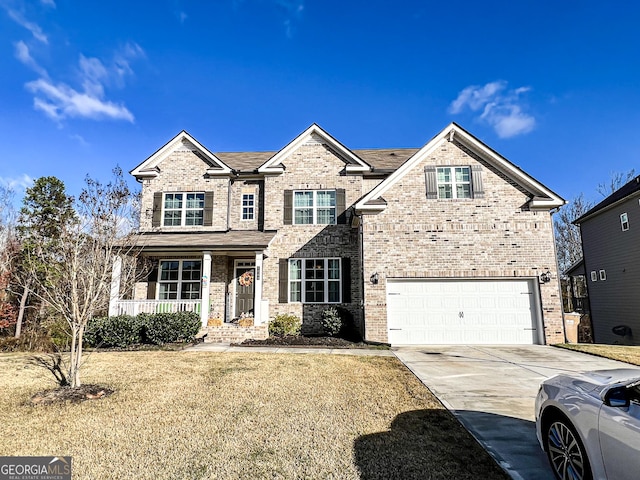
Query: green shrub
285	324
124	331
121	331
161	328
332	322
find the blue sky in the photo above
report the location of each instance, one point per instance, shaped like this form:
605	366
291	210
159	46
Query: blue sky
552	85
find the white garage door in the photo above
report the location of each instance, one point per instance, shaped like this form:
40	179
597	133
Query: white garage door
422	312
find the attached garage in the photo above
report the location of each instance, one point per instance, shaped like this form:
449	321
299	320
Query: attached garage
423	312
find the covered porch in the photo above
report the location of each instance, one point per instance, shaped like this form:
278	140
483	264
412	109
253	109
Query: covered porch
218	275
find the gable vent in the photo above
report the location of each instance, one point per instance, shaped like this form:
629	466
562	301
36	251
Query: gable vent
314	139
185	146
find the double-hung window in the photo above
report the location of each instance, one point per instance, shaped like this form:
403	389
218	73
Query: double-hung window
454	182
315	280
314	207
624	222
248	205
183	209
179	279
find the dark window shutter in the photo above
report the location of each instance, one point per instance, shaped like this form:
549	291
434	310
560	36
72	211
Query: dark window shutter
288	207
157	209
476	178
283	281
346	280
431	182
341	206
208	209
152	280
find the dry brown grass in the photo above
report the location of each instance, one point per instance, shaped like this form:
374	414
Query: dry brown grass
615	352
210	415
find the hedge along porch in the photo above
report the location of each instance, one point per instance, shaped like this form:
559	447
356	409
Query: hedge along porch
218	275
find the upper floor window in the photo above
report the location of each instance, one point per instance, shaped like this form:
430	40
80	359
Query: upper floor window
183	209
454	182
248	206
179	279
624	222
315	280
314	207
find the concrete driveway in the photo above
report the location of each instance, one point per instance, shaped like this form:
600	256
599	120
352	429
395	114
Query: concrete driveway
492	390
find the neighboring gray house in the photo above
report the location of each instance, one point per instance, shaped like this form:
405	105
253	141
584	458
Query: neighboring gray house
611	253
448	243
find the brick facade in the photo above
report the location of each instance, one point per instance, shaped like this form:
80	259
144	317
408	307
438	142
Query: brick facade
497	236
313	166
492	237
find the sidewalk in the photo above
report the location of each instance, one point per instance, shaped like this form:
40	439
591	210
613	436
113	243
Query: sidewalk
221	348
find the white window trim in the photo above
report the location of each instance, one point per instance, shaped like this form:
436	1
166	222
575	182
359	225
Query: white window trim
624	221
454	183
251	208
603	275
183	210
325	280
594	276
315	207
179	281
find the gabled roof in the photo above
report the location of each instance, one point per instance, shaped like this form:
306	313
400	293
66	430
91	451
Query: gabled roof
182	141
618	196
575	269
541	196
353	162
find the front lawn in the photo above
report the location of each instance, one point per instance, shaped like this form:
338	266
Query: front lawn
614	352
245	415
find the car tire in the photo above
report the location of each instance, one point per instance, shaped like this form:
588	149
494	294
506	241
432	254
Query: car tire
565	451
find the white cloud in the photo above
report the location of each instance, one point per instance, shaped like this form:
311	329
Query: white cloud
293	11
22	53
182	17
17	184
60	101
34	28
500	107
122	59
48	3
80	139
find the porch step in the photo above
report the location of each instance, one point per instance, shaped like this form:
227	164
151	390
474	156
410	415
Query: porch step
230	333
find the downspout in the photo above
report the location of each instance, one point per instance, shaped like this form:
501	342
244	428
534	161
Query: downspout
362	276
555	257
229	202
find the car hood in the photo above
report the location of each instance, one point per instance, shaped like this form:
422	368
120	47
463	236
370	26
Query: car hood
598	380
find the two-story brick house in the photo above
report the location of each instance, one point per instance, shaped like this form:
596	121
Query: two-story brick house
443	244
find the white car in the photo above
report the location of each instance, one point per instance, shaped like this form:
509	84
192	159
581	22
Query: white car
589	424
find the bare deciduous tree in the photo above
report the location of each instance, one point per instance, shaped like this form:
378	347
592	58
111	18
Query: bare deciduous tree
8	249
75	271
568	242
616	181
567	235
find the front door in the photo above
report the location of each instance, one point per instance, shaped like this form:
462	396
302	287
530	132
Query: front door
245	281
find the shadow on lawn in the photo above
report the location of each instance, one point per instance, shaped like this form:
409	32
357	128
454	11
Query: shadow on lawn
424	444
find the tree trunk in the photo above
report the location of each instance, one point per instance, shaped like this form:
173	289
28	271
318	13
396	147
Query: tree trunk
23	305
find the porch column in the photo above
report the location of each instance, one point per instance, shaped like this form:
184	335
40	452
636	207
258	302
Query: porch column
257	290
114	296
206	276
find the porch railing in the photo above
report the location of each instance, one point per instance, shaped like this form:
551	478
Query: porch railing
134	307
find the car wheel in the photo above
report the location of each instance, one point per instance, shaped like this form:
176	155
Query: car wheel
566	453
